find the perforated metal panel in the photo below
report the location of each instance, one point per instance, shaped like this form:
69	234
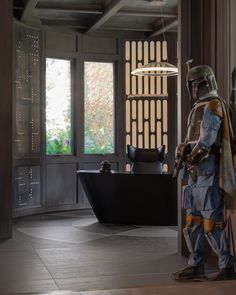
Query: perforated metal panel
27	187
26	136
146	97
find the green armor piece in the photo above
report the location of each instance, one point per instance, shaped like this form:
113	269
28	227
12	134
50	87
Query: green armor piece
195	121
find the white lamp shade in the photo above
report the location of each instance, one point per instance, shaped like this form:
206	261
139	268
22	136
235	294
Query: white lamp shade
156	69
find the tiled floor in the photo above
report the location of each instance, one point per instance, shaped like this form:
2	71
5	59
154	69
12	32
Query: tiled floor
72	251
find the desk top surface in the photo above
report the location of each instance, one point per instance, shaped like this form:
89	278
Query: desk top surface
119	173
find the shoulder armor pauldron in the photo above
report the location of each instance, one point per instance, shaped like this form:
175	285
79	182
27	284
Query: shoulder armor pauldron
215	107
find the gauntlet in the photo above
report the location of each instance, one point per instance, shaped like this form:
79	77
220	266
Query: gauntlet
197	154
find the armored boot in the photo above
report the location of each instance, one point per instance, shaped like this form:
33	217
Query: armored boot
189	272
224	274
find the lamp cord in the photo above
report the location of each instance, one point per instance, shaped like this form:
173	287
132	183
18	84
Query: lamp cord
163	31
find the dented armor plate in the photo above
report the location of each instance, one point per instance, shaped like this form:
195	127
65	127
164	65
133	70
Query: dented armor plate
194	122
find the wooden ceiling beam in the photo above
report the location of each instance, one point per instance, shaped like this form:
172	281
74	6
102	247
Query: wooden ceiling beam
70	10
146	14
76	25
97	11
164	29
63	23
109	11
28	10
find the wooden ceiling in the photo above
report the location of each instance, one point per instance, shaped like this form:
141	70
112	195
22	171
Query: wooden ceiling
151	17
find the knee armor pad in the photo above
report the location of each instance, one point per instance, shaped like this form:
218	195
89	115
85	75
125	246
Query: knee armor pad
191	231
192	220
209	225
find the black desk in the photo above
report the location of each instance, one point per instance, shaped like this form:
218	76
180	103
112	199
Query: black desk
126	198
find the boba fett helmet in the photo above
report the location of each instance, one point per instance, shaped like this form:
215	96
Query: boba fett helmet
201	82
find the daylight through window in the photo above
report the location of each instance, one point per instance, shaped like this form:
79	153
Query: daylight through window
99	107
58	107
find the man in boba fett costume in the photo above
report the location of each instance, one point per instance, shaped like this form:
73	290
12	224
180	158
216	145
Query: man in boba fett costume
207	164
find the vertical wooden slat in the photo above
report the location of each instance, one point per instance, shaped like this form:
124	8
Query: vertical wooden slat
153	141
146	60
133	85
134	110
164	115
140	82
134	133
164	51
158	109
128	116
159	133
128	139
127	50
152	115
140	141
146	109
165	142
152	51
140	116
146	135
127	78
140	51
133	55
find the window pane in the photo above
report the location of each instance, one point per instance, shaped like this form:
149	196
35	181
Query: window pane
99	107
58	106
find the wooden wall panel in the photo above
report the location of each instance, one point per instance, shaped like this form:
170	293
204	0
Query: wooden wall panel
99	45
61	184
27	92
60	41
5	118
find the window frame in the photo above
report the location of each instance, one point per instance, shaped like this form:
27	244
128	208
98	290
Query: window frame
72	116
114	61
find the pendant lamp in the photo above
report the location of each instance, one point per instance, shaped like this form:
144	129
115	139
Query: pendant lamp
156	69
160	68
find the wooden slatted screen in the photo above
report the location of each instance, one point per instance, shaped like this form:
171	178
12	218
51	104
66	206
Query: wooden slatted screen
146	97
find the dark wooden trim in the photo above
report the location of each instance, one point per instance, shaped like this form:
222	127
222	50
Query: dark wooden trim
165	28
109	11
146	14
183	103
172	101
76	25
6	29
28	10
67	9
222	47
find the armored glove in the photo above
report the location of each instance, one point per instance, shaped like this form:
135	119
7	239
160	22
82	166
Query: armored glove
181	152
197	154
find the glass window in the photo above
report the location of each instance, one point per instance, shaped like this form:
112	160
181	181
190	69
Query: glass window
58	107
99	107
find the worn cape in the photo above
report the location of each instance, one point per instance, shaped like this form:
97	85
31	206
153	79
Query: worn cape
227	174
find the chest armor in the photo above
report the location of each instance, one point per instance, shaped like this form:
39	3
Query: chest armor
195	121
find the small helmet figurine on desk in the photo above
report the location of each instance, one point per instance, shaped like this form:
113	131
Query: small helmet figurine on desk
105	167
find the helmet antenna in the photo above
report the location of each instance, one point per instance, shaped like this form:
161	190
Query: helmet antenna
188	63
